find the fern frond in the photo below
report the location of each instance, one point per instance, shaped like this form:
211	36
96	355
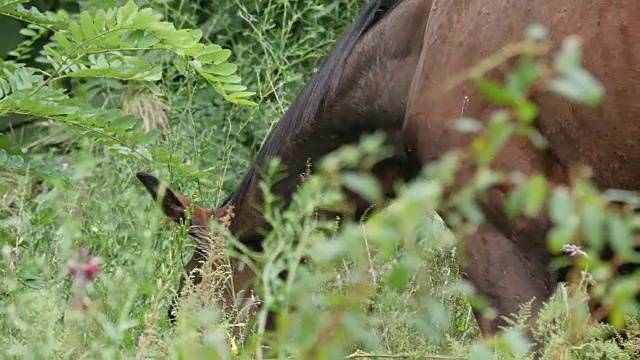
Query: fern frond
95	45
16	77
32	33
117	43
32	15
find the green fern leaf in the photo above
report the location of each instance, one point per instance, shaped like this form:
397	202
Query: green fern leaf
86	23
62	40
99	21
76	32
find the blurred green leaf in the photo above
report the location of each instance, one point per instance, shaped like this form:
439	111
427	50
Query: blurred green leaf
363	185
593	225
561	235
569	57
399	276
534	195
561	207
536	32
527	112
580	86
468	125
480	352
621	238
496	92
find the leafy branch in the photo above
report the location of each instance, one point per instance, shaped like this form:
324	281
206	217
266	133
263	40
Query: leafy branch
117	43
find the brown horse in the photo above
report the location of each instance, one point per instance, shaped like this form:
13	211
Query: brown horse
339	104
508	262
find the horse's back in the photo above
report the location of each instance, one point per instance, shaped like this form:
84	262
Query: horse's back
606	138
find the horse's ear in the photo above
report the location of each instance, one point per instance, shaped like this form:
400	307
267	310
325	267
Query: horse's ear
174	204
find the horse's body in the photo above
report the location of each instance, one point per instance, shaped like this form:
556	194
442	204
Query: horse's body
337	106
508	262
380	76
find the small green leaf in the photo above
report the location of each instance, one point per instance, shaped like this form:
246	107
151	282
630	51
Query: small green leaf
486	178
578	85
536	32
111	19
9	145
180	65
242	102
127	13
242	94
131	39
526	72
125	122
223	69
621	299
144	152
62	40
99	21
467	125
496	92
620	236
148	40
535	195
87	25
155	90
593	225
76	33
527	111
535	136
479	351
15	161
515	343
399	276
326	251
232	79
28	32
101	62
496	135
569	57
233	87
222	56
149	74
470	209
5	88
561	206
561	235
363	185
11	79
213	55
146	20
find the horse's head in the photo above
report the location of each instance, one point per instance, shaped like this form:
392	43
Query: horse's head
175	206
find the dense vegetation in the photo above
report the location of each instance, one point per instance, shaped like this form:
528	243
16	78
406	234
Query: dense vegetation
93	91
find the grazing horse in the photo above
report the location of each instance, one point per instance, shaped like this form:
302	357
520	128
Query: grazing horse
508	261
337	106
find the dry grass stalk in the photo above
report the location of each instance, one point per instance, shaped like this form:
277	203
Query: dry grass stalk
148	107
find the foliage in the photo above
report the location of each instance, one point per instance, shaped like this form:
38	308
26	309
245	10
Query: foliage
388	285
117	43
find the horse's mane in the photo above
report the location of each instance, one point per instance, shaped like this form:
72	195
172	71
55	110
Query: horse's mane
318	92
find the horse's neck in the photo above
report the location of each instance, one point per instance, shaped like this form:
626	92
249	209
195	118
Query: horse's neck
368	93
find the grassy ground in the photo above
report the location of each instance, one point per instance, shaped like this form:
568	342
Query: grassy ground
122	313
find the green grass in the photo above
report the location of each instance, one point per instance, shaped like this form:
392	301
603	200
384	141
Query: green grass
42	224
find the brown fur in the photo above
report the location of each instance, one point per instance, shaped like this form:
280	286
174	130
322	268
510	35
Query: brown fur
508	262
